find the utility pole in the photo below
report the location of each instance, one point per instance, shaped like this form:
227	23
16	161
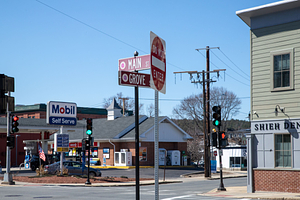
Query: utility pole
206	104
206	114
124	99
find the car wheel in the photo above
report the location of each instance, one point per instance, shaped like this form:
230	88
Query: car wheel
92	174
33	167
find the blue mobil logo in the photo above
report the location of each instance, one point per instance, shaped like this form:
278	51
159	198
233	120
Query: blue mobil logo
61	113
58	109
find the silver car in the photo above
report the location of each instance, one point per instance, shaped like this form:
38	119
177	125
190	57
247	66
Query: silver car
73	167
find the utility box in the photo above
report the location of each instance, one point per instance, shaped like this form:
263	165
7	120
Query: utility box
123	159
162	156
174	157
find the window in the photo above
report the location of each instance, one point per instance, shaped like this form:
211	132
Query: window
282	70
283	150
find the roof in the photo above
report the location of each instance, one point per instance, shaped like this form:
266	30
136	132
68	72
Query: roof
104	129
43	107
247	14
113	105
120	129
37	125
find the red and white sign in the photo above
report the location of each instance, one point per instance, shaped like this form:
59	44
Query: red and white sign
134	79
158	63
135	63
215	153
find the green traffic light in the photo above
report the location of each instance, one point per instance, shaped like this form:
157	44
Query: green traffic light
89	132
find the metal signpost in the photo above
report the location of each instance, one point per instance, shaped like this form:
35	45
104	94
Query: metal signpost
7	85
129	76
157	82
61	113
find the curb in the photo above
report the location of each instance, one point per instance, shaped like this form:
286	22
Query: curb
93	185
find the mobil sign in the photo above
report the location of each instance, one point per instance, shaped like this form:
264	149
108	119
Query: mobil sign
61	113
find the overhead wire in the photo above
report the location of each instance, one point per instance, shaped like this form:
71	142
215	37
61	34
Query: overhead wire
234	63
227	74
229	66
98	30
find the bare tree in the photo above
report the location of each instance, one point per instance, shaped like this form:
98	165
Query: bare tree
129	104
151	110
192	108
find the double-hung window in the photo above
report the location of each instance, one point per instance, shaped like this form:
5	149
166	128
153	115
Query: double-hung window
282	70
283	150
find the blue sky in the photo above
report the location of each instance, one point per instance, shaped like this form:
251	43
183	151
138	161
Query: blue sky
69	50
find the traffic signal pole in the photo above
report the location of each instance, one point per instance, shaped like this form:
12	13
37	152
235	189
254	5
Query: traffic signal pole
89	149
8	176
221	186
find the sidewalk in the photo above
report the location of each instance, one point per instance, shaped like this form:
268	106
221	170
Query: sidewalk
241	193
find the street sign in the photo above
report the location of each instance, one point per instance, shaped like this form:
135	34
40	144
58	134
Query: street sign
215	153
135	63
158	63
134	79
61	142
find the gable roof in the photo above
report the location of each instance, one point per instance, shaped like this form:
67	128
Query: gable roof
121	129
149	125
113	105
104	129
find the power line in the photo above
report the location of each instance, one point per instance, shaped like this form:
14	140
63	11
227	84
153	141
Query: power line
230	67
227	73
96	29
152	99
92	27
234	63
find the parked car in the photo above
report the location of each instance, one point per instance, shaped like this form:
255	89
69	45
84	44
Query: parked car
73	167
35	162
200	163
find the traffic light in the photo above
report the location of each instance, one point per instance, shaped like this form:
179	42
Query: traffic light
214	138
15	124
89	126
217	116
84	141
10	142
223	139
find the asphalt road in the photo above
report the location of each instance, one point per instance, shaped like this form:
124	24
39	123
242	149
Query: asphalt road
188	190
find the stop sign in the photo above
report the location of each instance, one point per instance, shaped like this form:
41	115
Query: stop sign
158	63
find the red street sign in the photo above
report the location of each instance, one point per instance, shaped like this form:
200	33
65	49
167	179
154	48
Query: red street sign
134	79
158	63
135	63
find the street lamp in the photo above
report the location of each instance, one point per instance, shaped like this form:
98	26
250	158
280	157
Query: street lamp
17	149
